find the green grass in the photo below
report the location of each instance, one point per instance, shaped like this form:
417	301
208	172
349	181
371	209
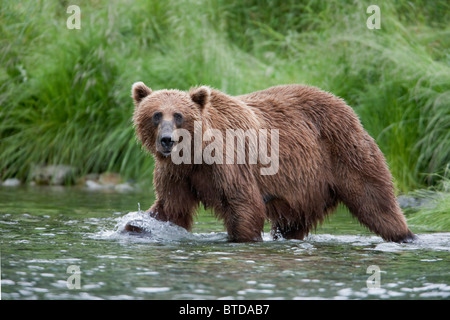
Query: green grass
65	94
434	217
434	214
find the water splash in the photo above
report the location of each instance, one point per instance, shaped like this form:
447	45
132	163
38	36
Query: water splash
427	241
154	230
431	241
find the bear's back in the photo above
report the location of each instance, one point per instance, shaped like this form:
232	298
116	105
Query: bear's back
303	112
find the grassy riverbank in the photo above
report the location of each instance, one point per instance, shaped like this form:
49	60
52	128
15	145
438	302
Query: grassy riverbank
64	94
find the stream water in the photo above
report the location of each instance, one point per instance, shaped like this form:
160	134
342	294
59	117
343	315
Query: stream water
67	243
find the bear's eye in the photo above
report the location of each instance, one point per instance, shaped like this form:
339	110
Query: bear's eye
178	118
157	116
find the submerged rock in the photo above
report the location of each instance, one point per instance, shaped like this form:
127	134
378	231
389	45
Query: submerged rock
123	187
53	174
110	178
92	185
13	182
406	201
107	181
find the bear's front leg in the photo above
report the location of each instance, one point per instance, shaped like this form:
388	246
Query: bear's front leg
182	217
244	217
175	203
240	203
174	211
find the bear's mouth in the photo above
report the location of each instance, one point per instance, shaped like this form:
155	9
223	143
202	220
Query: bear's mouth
166	153
164	147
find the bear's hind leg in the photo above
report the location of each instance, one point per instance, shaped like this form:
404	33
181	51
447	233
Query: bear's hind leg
364	185
373	203
289	231
286	222
243	218
296	221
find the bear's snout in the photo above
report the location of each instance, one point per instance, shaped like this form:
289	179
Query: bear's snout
164	142
167	143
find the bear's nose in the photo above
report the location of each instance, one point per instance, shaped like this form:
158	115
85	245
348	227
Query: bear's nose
166	142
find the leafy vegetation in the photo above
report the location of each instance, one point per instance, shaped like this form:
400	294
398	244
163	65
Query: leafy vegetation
65	94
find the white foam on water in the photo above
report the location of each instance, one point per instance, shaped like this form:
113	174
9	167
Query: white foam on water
159	231
152	289
345	239
426	241
154	230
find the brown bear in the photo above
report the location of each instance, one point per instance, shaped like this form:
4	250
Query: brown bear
322	157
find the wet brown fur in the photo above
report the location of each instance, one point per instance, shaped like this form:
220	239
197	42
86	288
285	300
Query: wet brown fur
325	157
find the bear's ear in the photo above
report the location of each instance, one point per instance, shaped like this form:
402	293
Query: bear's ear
139	91
200	95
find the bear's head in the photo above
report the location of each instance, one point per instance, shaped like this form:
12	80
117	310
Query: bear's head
158	114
